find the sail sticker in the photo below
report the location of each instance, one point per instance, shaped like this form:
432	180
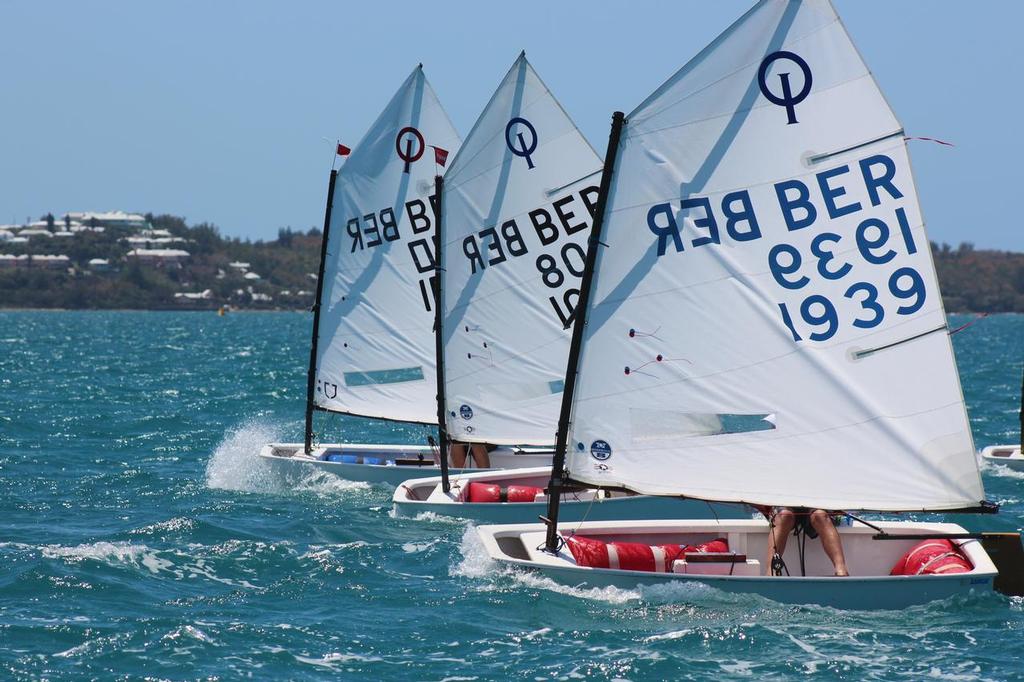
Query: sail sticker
404	146
787	99
328	389
600	450
525	149
466	412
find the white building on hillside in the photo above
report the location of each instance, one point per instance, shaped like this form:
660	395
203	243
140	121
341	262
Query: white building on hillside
47	262
158	256
110	219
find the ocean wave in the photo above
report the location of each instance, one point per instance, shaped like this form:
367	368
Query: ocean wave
175	564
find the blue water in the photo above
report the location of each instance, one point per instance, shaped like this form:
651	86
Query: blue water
139	536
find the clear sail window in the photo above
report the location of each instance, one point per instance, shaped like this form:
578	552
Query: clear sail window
653	425
384	376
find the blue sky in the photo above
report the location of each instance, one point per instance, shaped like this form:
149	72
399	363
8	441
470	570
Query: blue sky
216	110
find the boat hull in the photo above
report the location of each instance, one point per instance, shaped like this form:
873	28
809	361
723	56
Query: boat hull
424	495
1004	455
290	459
870	587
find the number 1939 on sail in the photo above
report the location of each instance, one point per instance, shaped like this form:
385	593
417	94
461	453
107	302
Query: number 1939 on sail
842	227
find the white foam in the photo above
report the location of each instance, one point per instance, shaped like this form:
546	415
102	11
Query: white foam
476	562
417	547
190	632
1001	470
235	464
106	552
332	660
141	556
170	525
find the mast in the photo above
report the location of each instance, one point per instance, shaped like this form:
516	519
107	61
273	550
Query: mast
1022	407
579	323
311	374
442	427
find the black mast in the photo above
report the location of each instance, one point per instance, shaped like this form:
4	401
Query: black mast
1022	409
561	440
442	425
311	375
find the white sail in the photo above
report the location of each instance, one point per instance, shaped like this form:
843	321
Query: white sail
376	354
517	209
767	270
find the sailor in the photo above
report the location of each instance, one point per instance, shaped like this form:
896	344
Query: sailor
478	451
814	523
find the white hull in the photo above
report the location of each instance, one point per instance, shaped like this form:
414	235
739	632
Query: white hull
416	496
869	560
387	464
1006	455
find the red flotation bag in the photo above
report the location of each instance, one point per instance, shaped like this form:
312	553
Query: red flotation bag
634	556
932	557
492	492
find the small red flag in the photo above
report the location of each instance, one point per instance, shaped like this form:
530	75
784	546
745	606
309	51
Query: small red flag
343	150
440	156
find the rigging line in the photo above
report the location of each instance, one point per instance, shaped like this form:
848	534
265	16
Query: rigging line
587	513
801	545
964	326
864	353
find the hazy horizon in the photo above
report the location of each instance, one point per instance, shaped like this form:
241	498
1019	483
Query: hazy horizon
217	111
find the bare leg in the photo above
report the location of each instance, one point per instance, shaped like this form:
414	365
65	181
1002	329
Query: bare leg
830	540
480	456
781	527
458	455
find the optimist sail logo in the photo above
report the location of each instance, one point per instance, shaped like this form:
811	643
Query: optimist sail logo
787	98
410	145
466	412
519	144
600	450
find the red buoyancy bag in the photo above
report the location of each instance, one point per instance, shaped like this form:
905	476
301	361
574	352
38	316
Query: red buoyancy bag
932	557
492	492
634	556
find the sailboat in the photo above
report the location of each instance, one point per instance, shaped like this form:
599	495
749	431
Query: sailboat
373	343
758	257
518	201
1008	455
